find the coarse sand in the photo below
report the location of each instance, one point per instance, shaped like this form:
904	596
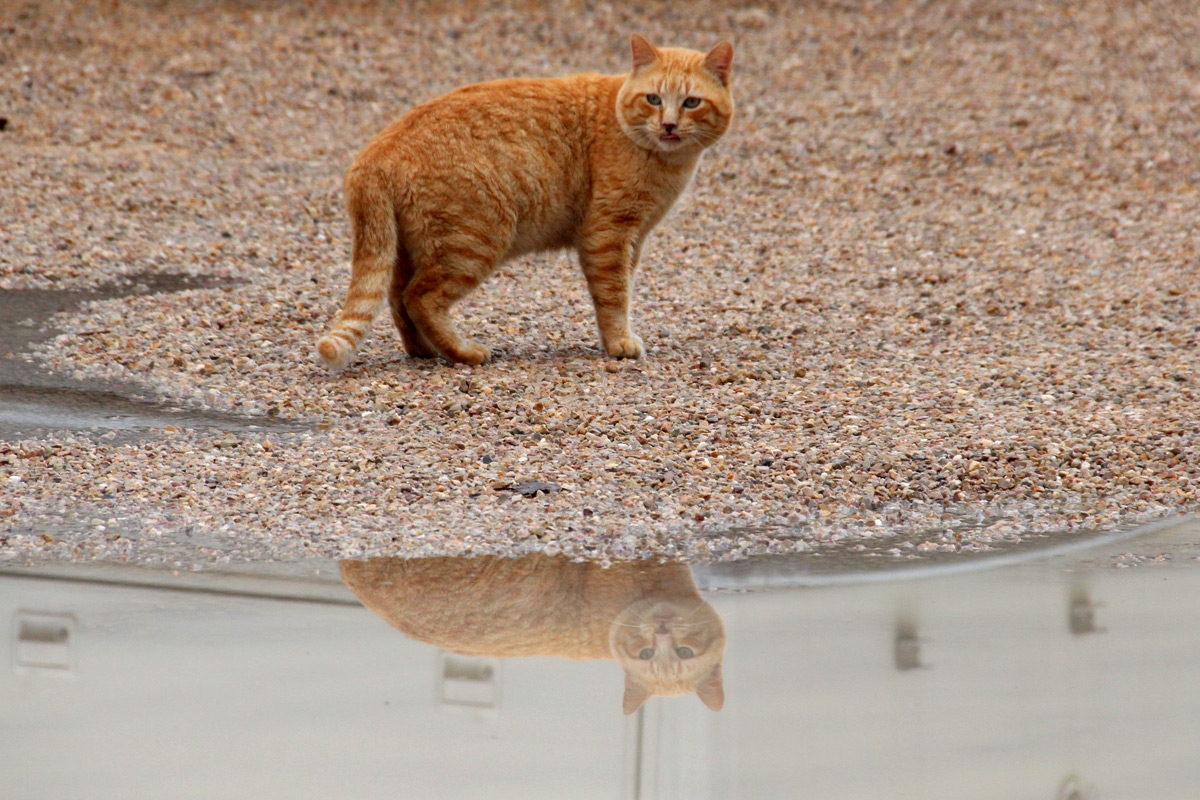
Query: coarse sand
936	290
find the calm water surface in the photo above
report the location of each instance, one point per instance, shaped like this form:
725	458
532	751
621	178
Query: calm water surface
1065	675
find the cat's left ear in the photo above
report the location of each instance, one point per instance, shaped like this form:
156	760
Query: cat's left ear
635	695
719	61
711	689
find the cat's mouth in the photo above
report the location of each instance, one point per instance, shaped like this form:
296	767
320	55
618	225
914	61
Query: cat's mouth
668	137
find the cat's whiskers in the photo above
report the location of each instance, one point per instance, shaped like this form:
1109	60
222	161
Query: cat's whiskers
704	137
629	624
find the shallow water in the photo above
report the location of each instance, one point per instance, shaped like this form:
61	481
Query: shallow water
34	401
1065	673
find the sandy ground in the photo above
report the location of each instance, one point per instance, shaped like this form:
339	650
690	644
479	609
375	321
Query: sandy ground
936	291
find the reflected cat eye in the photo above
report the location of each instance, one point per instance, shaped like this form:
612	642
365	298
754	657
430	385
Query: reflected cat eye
646	653
654	100
691	102
684	652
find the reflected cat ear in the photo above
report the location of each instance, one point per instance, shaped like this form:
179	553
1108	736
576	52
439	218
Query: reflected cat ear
711	689
719	61
644	53
635	695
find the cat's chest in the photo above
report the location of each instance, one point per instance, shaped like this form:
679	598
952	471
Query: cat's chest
649	193
660	188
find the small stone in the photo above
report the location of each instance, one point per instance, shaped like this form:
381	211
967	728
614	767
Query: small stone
534	488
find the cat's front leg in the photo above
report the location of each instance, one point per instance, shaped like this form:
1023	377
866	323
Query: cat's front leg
608	263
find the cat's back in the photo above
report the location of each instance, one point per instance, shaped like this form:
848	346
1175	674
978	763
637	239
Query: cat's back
532	605
504	119
511	155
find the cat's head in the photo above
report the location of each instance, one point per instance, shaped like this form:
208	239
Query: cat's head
676	100
668	647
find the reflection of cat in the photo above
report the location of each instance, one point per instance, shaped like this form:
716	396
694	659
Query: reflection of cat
647	616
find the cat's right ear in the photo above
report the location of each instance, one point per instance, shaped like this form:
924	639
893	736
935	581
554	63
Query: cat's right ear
635	695
644	53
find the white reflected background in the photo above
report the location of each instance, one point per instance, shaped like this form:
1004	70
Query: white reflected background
1071	677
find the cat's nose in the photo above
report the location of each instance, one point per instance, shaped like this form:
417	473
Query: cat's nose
669	127
662	628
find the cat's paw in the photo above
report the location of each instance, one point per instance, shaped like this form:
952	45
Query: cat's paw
626	347
471	353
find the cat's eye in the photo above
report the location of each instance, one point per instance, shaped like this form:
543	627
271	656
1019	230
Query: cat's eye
654	100
646	653
691	102
684	652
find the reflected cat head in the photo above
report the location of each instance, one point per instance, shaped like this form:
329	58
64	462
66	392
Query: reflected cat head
669	647
647	616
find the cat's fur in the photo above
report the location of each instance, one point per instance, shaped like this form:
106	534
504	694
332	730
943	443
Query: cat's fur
541	605
491	171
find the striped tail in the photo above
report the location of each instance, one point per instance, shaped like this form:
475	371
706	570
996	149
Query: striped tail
373	222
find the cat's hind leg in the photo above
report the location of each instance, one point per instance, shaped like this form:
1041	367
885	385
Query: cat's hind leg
414	343
434	289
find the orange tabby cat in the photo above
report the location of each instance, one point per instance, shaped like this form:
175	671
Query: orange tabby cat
647	616
489	172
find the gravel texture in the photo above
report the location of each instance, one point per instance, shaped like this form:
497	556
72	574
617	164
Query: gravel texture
936	290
